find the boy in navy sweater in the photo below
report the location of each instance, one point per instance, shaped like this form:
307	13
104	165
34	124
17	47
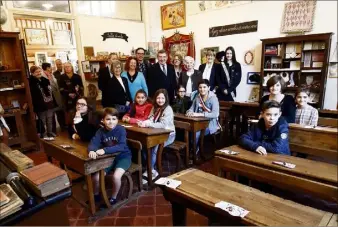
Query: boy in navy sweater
108	140
270	135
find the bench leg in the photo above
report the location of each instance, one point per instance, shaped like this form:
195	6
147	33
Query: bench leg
179	213
103	188
159	159
178	165
150	181
130	182
140	179
90	192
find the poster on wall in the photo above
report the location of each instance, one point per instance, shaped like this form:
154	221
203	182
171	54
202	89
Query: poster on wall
298	16
36	36
153	48
232	29
61	37
173	15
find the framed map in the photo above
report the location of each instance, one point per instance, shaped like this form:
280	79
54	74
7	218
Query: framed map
173	15
36	36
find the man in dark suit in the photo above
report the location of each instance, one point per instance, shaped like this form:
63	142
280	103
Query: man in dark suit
143	64
104	77
162	75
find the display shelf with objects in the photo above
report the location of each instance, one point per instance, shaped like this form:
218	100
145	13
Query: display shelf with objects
301	60
15	93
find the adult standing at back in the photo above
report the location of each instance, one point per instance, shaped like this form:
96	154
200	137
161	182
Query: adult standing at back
162	75
177	62
230	76
143	65
104	77
59	69
60	114
210	70
136	80
189	79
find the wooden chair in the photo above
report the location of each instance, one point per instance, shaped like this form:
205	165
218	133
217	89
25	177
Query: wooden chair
177	146
135	147
328	122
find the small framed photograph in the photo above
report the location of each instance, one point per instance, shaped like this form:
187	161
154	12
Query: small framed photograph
40	57
86	66
15	104
253	78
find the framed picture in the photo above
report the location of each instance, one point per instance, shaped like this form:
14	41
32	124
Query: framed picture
153	48
204	53
61	37
173	15
253	78
35	36
62	56
86	66
40	57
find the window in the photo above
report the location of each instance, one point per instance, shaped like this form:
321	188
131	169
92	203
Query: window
128	10
56	6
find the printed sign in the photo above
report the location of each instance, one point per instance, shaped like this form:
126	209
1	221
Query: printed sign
232	29
115	35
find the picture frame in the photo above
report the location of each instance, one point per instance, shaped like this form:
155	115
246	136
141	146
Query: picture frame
253	78
86	66
40	57
204	53
153	48
62	56
61	37
36	36
173	15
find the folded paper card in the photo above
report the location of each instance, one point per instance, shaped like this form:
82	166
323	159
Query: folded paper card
232	209
171	183
229	152
285	164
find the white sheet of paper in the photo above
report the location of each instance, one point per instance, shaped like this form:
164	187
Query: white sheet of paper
229	152
127	126
49	138
232	209
171	183
285	164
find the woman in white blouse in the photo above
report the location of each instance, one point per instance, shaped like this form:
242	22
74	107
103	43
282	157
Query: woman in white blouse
191	77
210	70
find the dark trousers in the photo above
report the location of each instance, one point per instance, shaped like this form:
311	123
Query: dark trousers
60	114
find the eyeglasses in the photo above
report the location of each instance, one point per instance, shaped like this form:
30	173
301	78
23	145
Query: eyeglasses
181	91
81	104
140	53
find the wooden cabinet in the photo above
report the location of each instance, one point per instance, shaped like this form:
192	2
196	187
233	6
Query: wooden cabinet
301	60
15	94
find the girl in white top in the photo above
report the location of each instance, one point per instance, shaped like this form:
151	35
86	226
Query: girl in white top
305	114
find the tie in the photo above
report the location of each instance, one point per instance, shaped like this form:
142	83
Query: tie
163	69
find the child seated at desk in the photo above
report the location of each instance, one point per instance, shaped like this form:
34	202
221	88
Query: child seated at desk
139	110
305	114
108	140
270	135
181	103
205	105
84	125
4	129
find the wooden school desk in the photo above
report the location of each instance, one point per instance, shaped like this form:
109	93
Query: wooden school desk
196	124
316	178
149	138
200	191
77	159
328	113
318	141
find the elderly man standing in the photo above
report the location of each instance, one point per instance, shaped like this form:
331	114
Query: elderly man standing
162	75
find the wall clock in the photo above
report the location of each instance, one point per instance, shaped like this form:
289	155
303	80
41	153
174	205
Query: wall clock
248	57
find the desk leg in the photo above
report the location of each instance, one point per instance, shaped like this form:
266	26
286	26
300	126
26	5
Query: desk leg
179	214
103	188
238	125
150	180
90	193
159	159
194	146
201	143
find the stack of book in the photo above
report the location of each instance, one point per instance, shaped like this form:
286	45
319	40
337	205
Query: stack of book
16	160
10	202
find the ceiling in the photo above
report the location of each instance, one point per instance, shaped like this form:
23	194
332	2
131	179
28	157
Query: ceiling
58	6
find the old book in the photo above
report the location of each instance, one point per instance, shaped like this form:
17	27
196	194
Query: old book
46	179
16	160
3	198
14	203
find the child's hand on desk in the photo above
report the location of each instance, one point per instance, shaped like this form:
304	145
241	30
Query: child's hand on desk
126	119
92	154
261	150
100	152
75	136
190	114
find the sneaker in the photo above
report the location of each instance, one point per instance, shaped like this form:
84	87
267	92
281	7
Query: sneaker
112	201
145	174
154	174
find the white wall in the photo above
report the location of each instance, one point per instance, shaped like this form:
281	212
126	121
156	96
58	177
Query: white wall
269	16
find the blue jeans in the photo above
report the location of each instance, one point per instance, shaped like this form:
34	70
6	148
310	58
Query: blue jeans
169	141
198	134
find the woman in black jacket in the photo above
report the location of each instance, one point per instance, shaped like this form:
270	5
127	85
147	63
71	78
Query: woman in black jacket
230	76
42	98
116	89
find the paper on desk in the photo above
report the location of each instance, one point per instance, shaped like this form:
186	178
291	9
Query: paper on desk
229	152
285	164
65	146
232	209
49	138
127	126
171	183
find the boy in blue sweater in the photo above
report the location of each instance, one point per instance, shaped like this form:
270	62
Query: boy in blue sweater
270	135
108	140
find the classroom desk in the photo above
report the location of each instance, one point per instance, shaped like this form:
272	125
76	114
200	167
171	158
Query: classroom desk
328	113
317	178
318	141
149	137
200	191
196	124
77	159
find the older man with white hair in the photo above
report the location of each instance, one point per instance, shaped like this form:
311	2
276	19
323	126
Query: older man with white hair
191	77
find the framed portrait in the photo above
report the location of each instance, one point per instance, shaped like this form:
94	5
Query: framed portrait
204	53
40	57
253	78
61	37
86	66
62	56
153	48
35	36
173	15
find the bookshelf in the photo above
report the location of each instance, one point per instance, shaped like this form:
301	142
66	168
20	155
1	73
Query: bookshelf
301	60
15	94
